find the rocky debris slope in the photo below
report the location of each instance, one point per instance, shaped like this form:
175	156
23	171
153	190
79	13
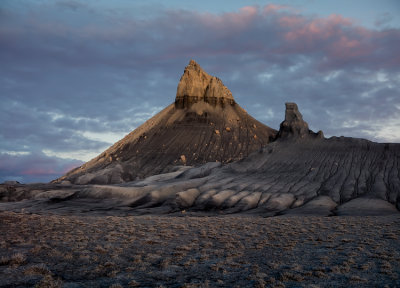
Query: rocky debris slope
299	173
205	124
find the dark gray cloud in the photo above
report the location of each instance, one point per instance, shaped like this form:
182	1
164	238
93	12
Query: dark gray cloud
75	76
384	19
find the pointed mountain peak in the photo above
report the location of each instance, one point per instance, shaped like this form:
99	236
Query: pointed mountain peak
193	66
198	86
181	134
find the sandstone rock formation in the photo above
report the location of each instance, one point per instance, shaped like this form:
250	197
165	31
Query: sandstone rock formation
197	86
205	124
294	126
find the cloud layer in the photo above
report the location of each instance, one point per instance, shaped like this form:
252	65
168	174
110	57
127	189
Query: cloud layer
37	167
76	77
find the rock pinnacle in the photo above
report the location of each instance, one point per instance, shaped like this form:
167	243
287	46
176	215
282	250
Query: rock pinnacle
196	86
294	126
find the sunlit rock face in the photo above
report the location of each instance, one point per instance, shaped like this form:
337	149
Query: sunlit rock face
203	125
198	86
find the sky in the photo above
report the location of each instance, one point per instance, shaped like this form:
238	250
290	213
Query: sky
76	76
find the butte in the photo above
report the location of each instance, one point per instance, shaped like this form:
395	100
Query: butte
204	124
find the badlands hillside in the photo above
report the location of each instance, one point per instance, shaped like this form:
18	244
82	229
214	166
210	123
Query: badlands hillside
205	154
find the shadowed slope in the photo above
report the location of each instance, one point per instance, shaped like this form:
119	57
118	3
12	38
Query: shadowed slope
339	169
203	125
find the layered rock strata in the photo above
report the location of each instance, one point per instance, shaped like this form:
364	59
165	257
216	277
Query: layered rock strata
198	86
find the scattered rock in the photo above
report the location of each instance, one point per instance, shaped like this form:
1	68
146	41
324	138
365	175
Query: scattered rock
183	159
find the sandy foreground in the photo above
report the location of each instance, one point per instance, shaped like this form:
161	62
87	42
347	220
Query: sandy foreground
191	251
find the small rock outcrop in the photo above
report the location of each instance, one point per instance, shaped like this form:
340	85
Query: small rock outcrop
294	127
196	86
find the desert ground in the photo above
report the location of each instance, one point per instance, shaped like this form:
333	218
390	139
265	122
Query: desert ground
198	251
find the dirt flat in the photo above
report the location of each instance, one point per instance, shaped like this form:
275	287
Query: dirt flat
184	251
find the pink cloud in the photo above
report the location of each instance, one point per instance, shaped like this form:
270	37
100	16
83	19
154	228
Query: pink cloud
273	31
276	30
347	48
34	167
273	8
301	28
336	38
290	21
229	21
69	167
269	30
38	172
335	19
248	10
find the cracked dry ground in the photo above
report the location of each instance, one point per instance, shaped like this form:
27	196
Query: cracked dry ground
217	251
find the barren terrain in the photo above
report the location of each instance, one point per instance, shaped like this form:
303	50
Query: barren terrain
185	198
188	251
335	176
